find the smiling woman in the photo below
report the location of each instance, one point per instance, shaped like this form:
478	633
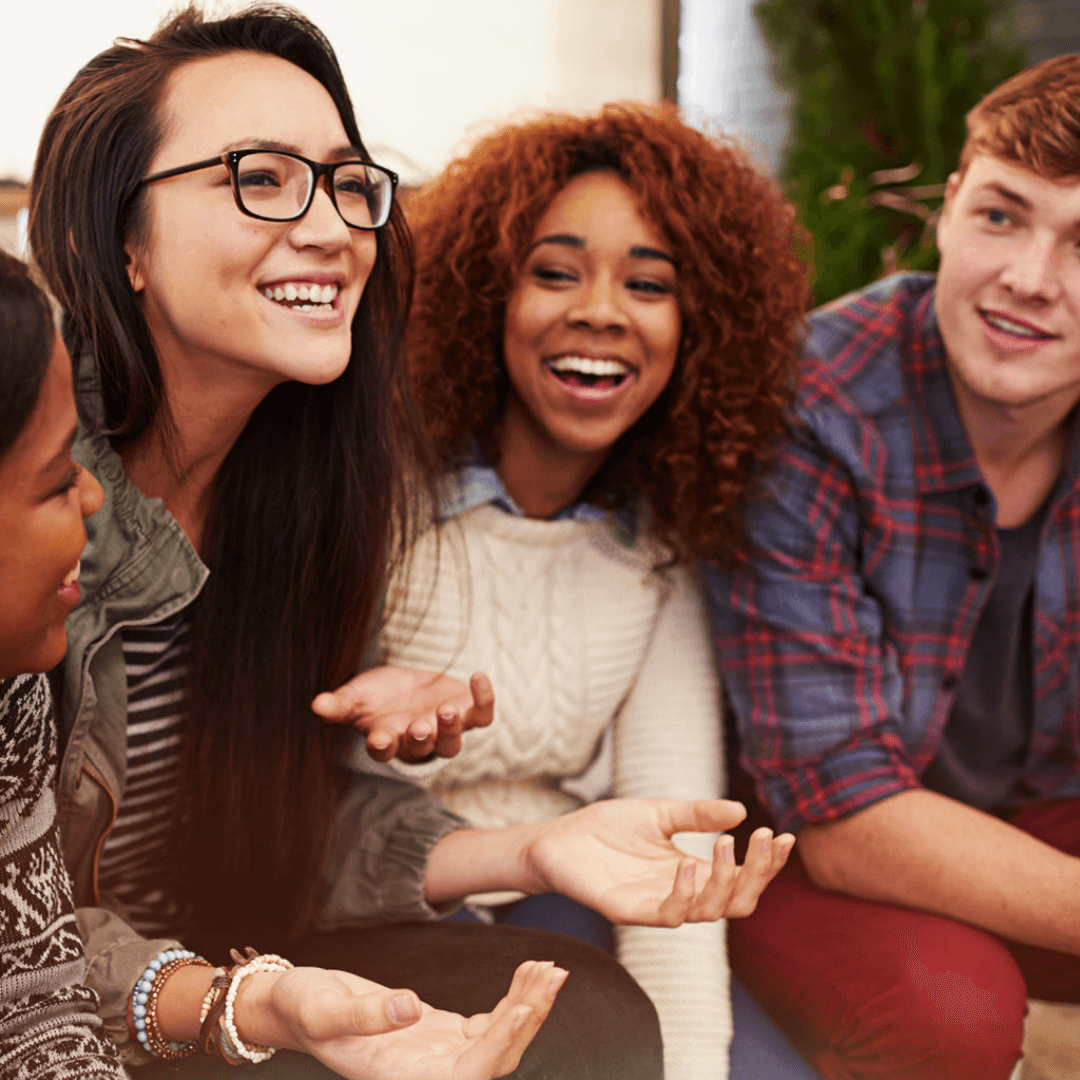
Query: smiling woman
603	342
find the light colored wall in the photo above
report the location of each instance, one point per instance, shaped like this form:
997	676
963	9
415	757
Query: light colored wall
423	73
724	75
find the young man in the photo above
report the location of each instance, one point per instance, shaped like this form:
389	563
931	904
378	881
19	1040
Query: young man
902	650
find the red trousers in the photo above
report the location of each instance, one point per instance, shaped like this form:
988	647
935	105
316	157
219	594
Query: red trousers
868	991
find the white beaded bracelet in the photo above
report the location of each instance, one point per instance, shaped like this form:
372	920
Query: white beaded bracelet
253	1053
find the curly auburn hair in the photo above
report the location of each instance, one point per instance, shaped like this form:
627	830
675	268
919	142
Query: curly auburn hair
743	291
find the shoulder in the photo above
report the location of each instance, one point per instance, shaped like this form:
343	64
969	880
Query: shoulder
29	735
857	346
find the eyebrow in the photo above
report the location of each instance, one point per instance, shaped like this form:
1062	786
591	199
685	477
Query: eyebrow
61	454
342	153
1007	193
638	251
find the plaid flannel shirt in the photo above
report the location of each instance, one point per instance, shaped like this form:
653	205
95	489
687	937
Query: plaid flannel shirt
842	638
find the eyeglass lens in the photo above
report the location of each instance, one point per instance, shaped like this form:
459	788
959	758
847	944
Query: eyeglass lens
277	187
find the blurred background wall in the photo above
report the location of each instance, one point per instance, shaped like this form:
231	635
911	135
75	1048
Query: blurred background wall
428	75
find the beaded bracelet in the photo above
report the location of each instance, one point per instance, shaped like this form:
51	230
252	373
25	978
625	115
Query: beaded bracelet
144	1000
250	964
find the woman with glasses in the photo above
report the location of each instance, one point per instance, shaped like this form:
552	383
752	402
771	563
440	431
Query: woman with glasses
233	275
603	343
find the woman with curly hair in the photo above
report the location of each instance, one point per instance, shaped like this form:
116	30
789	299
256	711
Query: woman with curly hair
603	345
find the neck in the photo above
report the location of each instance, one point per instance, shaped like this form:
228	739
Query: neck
541	477
177	459
1020	450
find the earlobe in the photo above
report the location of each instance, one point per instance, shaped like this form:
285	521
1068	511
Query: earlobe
134	269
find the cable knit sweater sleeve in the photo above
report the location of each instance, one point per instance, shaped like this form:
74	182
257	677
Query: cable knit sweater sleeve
48	1027
668	746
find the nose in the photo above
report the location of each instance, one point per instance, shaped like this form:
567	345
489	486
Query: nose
598	305
91	495
1031	273
322	226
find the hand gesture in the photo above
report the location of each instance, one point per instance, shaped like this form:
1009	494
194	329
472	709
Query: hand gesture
343	1021
617	857
412	714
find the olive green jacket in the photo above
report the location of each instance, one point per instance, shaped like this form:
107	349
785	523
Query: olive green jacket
139	568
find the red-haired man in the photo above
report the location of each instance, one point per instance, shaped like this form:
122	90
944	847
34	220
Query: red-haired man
903	649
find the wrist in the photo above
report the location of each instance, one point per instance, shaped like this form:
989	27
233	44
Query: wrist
258	1017
482	860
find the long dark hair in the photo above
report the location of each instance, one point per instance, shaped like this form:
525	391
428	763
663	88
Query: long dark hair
26	341
307	511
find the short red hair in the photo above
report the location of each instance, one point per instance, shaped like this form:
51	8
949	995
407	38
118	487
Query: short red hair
743	292
1032	120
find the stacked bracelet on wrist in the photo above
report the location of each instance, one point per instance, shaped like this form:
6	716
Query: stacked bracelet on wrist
218	1034
144	1000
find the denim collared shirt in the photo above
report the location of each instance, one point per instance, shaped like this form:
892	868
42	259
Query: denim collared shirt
476	485
842	639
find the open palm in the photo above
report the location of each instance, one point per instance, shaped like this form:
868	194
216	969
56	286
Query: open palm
617	857
439	1046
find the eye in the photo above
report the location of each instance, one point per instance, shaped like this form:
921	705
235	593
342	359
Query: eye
71	478
996	216
554	275
257	179
650	287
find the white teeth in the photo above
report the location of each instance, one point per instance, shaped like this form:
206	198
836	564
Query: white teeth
585	365
290	292
1001	323
74	575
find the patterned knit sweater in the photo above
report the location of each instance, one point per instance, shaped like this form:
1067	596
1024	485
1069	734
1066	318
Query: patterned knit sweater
48	1027
577	630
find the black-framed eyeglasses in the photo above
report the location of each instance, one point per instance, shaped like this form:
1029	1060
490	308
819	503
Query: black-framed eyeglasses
276	185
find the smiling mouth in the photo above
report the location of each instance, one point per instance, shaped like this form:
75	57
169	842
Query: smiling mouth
1015	328
589	373
302	295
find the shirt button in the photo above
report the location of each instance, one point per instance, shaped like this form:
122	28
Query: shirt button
949	682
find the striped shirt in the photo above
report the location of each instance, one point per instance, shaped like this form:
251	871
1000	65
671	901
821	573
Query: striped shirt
136	864
842	640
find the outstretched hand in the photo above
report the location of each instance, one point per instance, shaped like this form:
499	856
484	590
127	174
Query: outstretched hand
343	1021
617	857
411	714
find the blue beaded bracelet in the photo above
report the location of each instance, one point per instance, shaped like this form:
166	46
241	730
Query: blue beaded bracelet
144	1004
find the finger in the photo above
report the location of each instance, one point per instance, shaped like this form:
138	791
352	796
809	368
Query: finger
545	988
332	1015
755	873
333	706
448	739
712	900
382	743
781	849
417	742
482	710
535	985
700	815
673	909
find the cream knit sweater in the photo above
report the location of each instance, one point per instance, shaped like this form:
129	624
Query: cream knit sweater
576	631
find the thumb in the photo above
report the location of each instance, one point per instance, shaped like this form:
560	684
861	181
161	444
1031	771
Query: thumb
366	1014
702	815
333	705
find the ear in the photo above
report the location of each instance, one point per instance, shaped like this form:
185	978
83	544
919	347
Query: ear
133	262
952	186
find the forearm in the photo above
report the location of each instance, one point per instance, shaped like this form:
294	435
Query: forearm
480	860
922	850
